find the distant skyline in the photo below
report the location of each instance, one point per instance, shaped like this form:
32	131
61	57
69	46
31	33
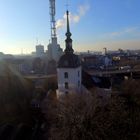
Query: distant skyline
95	24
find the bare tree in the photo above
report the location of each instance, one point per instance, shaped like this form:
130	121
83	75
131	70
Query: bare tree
83	117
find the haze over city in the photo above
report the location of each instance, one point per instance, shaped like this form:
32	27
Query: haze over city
95	24
69	70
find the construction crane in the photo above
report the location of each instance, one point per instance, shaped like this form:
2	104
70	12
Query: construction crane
52	18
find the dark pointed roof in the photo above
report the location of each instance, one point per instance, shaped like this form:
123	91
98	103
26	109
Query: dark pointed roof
68	60
68	40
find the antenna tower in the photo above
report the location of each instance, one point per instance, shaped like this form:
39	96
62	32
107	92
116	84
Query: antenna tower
52	18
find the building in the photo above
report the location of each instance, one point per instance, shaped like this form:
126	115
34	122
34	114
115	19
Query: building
39	50
54	50
107	61
69	68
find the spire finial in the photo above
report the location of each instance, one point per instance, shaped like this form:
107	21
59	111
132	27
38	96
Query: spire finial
68	26
68	40
67	5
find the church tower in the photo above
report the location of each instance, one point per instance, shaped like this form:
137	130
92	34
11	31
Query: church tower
69	68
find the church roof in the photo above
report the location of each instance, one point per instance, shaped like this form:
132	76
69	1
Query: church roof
69	61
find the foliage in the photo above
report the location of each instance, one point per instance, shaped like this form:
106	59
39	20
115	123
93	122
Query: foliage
15	96
50	83
84	117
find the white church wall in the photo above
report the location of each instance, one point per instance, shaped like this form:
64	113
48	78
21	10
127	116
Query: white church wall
73	80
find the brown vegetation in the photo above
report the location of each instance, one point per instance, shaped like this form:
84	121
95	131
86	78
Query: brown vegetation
50	83
83	117
15	96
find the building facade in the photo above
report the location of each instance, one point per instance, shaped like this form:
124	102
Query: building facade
39	50
54	50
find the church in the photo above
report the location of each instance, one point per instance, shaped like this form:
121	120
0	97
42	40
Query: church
68	68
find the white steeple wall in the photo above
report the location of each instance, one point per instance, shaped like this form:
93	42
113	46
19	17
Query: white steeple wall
73	80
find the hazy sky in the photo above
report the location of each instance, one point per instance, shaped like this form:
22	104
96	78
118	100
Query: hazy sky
95	24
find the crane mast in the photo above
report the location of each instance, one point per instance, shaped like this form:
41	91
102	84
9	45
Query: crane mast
52	18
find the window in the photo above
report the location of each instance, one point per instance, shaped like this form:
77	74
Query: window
78	73
66	85
66	92
66	74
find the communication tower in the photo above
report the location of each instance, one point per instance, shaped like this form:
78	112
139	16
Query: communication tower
52	18
54	50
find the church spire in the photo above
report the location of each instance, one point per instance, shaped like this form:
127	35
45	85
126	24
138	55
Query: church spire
69	49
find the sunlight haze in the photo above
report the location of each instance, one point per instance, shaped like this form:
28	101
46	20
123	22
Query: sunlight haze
95	24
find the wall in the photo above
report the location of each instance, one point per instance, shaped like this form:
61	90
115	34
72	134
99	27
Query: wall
72	79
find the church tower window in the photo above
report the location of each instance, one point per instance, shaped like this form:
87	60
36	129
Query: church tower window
66	74
66	85
78	83
66	92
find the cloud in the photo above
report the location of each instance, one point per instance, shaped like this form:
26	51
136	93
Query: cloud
60	23
126	31
74	18
110	45
83	9
124	44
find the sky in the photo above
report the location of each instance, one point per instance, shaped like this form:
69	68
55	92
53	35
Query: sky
94	24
